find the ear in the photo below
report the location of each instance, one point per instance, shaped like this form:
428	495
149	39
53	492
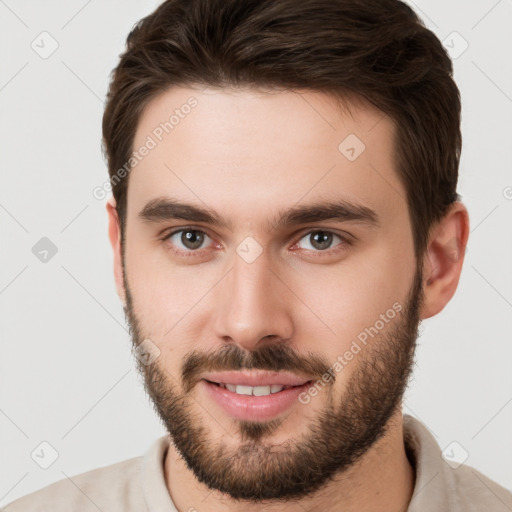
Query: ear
442	264
114	234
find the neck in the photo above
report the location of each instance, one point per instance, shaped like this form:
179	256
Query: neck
382	479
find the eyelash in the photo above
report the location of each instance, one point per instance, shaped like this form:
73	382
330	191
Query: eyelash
345	241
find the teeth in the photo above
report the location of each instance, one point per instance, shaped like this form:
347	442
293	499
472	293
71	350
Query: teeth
254	390
261	390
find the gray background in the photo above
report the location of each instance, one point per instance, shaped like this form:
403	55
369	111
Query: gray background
67	375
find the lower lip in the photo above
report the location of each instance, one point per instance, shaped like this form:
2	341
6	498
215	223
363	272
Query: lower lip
253	408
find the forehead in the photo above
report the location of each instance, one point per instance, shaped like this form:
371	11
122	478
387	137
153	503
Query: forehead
255	149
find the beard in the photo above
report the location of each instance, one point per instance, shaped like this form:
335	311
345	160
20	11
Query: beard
342	432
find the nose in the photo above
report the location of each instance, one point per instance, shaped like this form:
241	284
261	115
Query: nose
252	303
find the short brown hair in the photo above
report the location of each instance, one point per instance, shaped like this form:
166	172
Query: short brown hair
378	49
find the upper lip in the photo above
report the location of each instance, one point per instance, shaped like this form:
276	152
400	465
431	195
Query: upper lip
256	378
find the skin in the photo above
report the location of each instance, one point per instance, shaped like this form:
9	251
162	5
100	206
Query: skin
247	155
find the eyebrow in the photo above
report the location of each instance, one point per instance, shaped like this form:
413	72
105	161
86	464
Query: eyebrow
165	209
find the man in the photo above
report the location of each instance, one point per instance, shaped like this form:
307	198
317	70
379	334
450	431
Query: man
284	214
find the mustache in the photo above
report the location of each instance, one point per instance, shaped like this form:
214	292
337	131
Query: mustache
271	357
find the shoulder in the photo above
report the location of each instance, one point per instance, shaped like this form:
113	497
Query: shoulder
475	492
113	487
442	483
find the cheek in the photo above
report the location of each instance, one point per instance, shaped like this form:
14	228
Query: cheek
348	300
167	298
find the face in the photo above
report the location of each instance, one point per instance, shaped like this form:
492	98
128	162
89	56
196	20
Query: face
268	244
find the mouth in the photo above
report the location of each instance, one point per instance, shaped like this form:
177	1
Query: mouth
261	402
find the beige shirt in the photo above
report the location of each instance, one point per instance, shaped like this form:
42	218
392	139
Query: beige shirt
138	484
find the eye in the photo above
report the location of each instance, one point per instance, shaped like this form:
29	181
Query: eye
187	239
321	241
190	241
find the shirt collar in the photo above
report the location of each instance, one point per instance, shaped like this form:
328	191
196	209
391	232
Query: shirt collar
154	488
433	476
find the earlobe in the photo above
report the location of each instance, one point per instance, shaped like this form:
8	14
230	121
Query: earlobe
114	234
442	264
